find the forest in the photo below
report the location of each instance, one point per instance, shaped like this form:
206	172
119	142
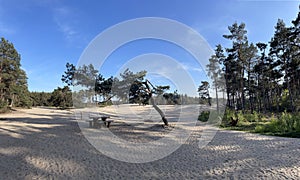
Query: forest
261	76
259	80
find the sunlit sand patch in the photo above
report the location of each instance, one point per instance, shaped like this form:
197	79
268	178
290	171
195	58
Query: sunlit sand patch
233	166
50	164
291	170
19	129
226	148
11	134
13	150
257	137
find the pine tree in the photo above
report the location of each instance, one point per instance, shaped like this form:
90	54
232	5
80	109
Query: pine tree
294	38
250	53
61	97
214	70
238	60
13	80
69	74
281	50
203	91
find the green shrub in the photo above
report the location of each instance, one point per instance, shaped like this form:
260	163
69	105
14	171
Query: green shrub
204	116
286	125
260	129
256	117
249	117
273	127
241	116
297	122
227	117
3	106
287	122
276	126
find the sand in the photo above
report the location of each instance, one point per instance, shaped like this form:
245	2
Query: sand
43	143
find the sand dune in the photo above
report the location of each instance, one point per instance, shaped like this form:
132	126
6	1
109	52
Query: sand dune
42	143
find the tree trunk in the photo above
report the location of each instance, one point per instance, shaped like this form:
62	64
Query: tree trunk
288	86
290	95
217	98
277	97
227	87
250	89
242	90
160	112
12	101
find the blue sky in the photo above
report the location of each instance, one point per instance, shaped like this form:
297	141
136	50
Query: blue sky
49	33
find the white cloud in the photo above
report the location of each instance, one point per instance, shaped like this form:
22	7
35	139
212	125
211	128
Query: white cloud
63	17
189	67
197	46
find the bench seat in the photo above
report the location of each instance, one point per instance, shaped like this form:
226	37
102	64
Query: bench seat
94	121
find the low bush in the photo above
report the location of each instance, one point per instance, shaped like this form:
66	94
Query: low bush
3	106
204	116
252	117
286	124
227	117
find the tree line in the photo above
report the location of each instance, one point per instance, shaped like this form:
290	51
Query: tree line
262	76
90	87
60	97
14	88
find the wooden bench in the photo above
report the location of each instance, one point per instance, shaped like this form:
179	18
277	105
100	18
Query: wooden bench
94	122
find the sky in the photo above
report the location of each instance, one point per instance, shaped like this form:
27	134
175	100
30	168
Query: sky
49	33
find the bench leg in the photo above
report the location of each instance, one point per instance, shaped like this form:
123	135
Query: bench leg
91	124
108	124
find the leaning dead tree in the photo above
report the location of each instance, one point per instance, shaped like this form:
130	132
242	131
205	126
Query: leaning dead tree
154	90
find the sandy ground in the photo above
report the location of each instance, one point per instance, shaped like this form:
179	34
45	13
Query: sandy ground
42	143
